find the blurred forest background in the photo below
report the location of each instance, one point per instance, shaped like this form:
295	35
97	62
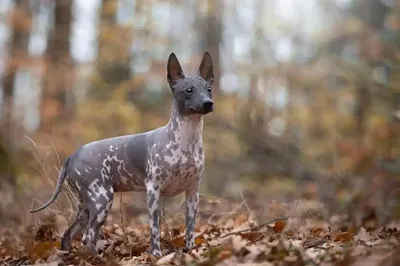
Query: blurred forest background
307	94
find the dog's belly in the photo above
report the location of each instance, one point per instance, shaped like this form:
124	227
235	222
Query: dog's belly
122	176
114	175
124	185
178	184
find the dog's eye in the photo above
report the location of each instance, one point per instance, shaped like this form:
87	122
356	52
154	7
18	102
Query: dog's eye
189	90
209	89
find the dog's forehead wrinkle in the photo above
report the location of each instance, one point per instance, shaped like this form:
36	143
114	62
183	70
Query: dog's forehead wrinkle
196	80
197	83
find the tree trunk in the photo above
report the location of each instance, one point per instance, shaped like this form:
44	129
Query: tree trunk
20	29
213	36
20	24
113	62
59	76
363	101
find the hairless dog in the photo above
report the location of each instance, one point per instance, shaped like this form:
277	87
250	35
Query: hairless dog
163	162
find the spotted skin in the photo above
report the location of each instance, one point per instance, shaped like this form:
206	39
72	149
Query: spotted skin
163	163
192	202
80	222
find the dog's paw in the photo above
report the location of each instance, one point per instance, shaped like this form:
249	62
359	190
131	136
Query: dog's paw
186	250
100	245
156	253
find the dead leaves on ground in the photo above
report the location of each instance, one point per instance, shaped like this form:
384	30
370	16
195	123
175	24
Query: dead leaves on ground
38	250
279	226
293	241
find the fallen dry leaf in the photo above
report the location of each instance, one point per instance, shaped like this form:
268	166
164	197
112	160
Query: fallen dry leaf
252	236
313	242
166	259
227	241
279	226
344	237
199	240
224	254
41	250
316	231
240	219
45	233
178	242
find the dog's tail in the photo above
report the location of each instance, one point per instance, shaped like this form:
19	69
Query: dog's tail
61	178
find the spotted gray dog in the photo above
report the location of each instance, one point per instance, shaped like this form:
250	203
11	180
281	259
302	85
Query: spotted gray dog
163	162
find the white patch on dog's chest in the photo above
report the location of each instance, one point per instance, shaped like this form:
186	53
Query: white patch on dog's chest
176	162
182	172
185	165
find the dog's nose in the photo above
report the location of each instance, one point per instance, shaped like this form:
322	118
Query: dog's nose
208	106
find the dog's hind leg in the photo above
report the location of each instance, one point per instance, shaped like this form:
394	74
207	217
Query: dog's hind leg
80	222
98	211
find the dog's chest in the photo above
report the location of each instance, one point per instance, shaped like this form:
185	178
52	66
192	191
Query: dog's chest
176	169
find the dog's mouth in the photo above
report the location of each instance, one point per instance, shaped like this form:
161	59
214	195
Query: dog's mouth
207	111
202	111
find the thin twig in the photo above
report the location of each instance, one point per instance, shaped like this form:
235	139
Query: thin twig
233	212
44	172
30	214
51	210
31	140
245	203
162	203
256	227
46	156
56	150
122	219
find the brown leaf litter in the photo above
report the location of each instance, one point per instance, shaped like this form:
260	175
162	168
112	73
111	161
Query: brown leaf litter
225	241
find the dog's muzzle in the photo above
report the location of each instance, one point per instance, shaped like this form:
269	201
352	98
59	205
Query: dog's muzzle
208	106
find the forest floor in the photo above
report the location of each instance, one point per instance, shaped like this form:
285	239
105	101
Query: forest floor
247	230
227	233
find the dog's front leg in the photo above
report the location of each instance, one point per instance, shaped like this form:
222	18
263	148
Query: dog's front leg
192	202
153	206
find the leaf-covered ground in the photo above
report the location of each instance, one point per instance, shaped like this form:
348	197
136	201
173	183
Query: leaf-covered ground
223	238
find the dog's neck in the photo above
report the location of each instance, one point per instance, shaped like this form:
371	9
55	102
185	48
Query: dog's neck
187	130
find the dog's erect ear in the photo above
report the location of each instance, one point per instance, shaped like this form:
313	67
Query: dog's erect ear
174	70
206	70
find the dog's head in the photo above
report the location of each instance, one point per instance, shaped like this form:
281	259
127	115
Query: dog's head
193	95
